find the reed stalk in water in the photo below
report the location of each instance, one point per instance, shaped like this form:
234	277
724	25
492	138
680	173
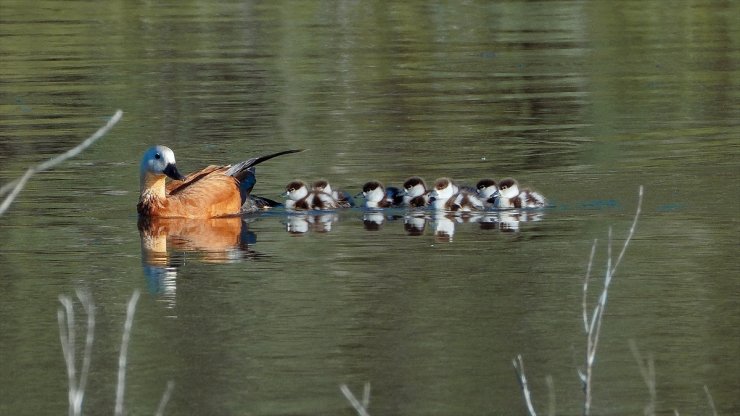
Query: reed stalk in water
15	186
360	407
591	323
67	338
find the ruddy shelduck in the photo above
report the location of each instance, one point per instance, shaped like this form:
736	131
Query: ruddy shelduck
215	191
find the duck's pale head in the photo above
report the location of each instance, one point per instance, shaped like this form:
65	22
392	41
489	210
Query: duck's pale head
159	161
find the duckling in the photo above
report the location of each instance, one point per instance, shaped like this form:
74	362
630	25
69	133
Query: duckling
394	196
344	199
464	201
300	198
450	197
512	197
487	190
415	193
375	195
442	191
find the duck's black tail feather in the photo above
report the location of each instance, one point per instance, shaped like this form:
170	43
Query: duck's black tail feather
241	170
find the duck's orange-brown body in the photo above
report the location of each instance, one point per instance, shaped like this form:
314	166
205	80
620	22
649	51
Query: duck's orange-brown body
208	193
215	191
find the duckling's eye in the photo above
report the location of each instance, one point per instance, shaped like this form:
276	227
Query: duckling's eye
157	156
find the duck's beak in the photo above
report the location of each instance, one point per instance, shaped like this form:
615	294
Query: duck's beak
171	171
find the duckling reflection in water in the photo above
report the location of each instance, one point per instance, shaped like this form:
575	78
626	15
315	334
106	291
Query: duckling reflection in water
302	222
414	223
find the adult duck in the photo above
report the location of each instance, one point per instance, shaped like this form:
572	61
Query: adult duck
214	191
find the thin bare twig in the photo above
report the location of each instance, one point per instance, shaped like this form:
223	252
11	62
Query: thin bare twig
648	376
122	357
359	408
67	337
551	393
585	284
15	187
711	400
366	395
519	367
165	398
593	325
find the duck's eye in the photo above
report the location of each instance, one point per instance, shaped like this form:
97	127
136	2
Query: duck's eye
157	156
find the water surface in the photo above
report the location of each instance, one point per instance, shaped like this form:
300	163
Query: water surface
583	101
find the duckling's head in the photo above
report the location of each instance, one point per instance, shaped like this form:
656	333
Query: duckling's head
373	191
414	186
487	188
322	185
443	189
508	188
296	190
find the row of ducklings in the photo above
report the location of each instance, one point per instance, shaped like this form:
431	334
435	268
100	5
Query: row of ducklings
445	195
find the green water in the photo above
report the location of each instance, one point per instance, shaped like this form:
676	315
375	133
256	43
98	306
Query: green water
583	101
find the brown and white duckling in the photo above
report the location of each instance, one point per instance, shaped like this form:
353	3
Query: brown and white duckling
487	191
344	199
450	197
375	196
442	191
299	198
512	197
415	193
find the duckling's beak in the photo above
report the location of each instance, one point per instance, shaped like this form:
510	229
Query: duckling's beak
494	196
171	171
359	194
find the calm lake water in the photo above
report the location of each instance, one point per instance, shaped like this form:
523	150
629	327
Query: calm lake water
269	315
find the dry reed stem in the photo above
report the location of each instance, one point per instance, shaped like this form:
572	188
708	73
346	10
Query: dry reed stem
67	338
122	357
519	368
165	398
360	408
15	187
593	325
711	400
647	370
552	404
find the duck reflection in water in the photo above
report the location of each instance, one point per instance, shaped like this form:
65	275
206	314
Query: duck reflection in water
166	241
